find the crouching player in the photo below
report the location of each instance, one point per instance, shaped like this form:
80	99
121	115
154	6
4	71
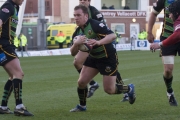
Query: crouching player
102	59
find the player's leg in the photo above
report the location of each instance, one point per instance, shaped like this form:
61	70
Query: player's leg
78	63
111	87
23	48
8	88
120	81
108	68
168	54
168	62
13	67
86	75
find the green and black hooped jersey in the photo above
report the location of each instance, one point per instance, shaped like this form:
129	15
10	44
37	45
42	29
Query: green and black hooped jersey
94	29
9	16
167	29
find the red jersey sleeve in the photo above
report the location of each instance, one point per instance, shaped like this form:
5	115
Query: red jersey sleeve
172	39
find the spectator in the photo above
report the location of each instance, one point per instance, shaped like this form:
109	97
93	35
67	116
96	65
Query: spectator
22	42
104	6
116	41
60	39
16	42
126	7
111	7
142	35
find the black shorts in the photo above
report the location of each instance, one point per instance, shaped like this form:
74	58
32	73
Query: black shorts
7	53
170	50
106	66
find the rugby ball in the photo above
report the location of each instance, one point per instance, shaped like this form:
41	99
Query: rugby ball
85	47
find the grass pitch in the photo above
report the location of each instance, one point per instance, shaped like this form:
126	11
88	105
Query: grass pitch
50	85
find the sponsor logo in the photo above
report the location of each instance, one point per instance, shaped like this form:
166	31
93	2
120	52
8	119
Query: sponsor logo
5	10
2	57
142	43
90	32
99	15
108	69
14	20
101	25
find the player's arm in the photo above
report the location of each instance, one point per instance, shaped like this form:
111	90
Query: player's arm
107	39
157	8
74	48
172	39
151	22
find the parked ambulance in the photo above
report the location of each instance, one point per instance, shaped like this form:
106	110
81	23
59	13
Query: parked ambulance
53	30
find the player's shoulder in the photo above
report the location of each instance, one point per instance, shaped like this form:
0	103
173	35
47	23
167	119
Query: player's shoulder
93	8
94	21
158	6
7	7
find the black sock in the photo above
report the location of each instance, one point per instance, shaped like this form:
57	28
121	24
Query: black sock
17	84
122	88
168	83
7	92
119	79
82	93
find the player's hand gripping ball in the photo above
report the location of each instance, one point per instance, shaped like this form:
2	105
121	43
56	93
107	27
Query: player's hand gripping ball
83	46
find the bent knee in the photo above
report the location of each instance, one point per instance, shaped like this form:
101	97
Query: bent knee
77	64
82	84
168	72
109	91
19	75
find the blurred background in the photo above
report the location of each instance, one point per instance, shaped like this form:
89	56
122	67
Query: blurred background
41	20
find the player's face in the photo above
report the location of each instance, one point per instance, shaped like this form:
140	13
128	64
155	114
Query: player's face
84	2
171	16
18	2
80	17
